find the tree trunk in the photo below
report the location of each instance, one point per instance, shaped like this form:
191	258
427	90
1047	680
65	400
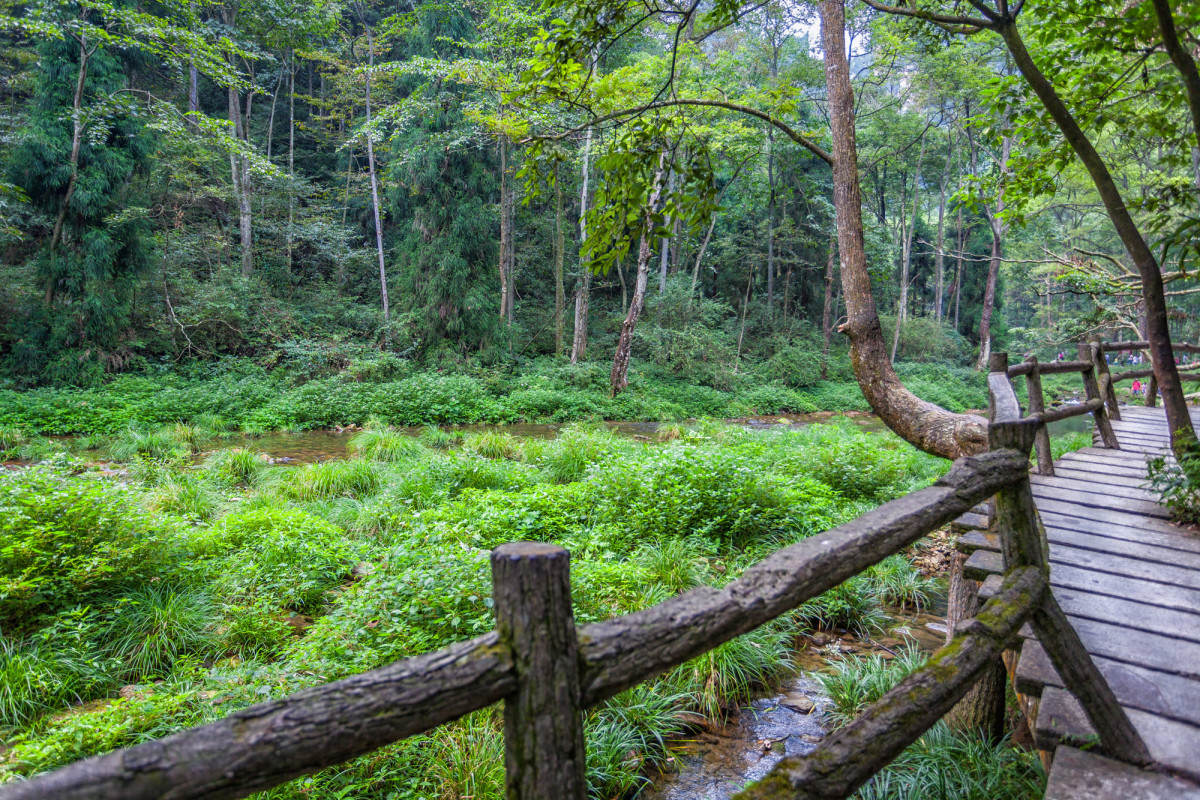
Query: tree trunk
906	251
292	156
560	295
827	310
961	240
76	145
579	337
923	424
939	264
665	243
982	709
383	287
504	232
770	219
619	377
1165	372
993	276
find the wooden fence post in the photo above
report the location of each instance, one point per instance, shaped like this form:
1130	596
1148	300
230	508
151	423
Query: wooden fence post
544	756
1100	361
1023	543
1037	404
1087	352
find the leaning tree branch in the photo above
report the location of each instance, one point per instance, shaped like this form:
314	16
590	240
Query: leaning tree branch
958	24
779	124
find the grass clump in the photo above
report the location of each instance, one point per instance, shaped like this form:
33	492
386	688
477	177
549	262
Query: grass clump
156	625
237	466
383	443
331	479
492	444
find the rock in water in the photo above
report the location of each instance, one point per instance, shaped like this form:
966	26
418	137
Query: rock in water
800	703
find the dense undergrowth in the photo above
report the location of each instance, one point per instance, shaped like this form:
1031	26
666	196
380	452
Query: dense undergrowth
138	607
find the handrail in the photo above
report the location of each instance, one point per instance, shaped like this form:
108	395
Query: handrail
547	670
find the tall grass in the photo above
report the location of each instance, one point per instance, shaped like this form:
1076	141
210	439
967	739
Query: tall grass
492	444
29	684
855	683
332	479
382	443
237	466
157	624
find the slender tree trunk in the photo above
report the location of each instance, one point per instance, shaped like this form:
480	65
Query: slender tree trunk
906	265
504	232
737	359
993	276
939	263
961	241
76	145
193	88
827	308
665	243
1158	330
560	295
383	287
700	257
770	219
619	377
925	425
291	156
579	338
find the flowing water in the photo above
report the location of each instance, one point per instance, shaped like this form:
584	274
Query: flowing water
306	447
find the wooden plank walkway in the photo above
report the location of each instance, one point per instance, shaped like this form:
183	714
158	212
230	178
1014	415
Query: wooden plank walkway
1129	580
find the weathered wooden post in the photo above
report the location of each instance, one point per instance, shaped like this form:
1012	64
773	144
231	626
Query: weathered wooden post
544	756
1037	404
1023	543
1087	352
1100	364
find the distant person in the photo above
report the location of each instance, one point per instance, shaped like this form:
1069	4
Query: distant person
1137	387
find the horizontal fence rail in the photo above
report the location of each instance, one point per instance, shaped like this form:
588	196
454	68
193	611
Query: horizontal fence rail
546	670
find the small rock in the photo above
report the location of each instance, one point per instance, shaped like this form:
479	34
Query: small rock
811	738
299	623
937	627
800	703
131	692
362	569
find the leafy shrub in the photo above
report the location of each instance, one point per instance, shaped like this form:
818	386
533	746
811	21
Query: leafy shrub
770	399
1177	483
64	539
282	556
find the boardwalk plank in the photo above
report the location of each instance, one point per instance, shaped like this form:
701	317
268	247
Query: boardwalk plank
1122	548
1170	539
1135	687
1070	484
1169	622
1124	565
1080	775
1171	743
1106	515
1180	598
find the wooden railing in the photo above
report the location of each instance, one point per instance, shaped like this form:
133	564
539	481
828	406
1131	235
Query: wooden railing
546	670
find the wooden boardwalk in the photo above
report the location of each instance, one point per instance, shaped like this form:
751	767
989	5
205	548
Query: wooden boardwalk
1129	580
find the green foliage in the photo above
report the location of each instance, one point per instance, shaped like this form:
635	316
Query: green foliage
1177	482
284	557
64	540
237	466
